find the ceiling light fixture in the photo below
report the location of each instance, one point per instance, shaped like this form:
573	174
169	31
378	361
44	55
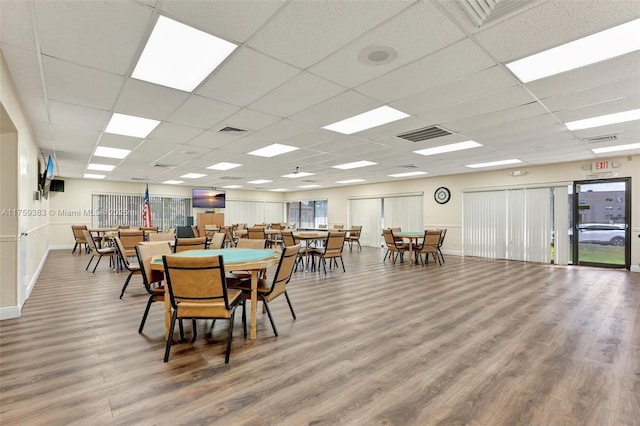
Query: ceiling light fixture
367	120
351	181
273	150
103	151
260	181
193	176
180	56
354	165
298	174
93	176
278	190
604	120
224	166
309	186
232	186
494	163
130	125
616	148
597	47
173	182
448	148
407	174
101	167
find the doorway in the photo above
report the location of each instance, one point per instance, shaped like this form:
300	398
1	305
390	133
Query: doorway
600	232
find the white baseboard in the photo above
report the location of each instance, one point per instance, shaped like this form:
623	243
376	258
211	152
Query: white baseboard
36	275
9	312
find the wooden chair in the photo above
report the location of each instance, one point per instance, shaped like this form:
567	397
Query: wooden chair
80	238
267	291
289	240
130	238
162	236
429	246
338	226
198	290
394	247
251	243
332	250
217	241
230	240
184	244
132	267
99	252
442	234
322	226
152	280
354	237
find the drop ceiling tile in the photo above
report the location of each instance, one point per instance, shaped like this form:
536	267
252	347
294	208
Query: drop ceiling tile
344	105
119	141
302	91
36	107
74	135
80	85
173	133
246	76
229	20
212	140
42	129
421	21
327	26
201	112
149	100
495	118
16	28
551	24
83	32
614	90
247	119
610	107
447	65
69	115
25	70
279	131
311	138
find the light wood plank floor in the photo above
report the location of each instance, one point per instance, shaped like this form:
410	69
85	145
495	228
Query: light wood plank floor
476	341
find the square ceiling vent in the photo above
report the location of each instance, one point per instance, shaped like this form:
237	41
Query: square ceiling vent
424	134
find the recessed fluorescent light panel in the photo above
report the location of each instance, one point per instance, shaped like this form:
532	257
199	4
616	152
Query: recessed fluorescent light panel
224	166
273	150
173	182
616	148
494	163
103	151
93	176
232	186
130	125
350	181
102	167
604	120
193	176
180	56
298	175
597	47
279	190
408	174
354	165
259	181
309	186
448	148
367	120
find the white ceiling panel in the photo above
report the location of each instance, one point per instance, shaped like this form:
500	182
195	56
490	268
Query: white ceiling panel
610	107
202	112
36	107
75	116
418	31
24	69
616	90
299	93
82	32
247	119
496	118
119	141
327	26
344	105
173	133
75	135
446	65
246	76
16	28
149	100
214	139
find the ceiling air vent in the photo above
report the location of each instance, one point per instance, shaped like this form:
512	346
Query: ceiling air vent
408	166
139	178
482	11
424	134
165	166
231	130
600	139
231	177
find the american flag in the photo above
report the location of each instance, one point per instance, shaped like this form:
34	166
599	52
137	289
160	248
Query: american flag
146	209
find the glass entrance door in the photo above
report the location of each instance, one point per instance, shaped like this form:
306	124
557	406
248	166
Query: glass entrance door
600	232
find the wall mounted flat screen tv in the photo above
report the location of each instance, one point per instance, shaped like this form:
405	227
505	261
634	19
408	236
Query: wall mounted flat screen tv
47	176
208	198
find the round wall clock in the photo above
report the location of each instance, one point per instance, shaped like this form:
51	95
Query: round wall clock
442	195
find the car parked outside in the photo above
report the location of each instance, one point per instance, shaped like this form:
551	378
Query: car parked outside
602	233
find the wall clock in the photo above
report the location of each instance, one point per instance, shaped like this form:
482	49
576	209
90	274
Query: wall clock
442	195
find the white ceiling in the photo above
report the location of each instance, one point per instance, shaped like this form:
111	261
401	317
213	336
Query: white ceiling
297	69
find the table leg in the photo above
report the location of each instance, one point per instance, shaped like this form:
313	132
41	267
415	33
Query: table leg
254	303
410	251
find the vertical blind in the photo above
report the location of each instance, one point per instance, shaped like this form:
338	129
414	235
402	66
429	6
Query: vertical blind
403	212
252	212
368	213
121	209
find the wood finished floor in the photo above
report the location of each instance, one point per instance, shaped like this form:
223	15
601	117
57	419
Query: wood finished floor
476	341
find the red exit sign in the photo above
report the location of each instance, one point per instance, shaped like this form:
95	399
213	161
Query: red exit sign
599	166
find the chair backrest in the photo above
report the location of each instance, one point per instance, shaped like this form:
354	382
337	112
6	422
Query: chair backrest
122	252
431	238
338	226
184	232
256	232
217	240
146	254
335	241
161	236
130	237
90	241
242	226
322	226
442	234
356	230
198	279
184	244
251	243
78	234
285	269
276	226
149	229
388	237
287	238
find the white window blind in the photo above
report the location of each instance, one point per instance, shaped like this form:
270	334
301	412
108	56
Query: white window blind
368	213
404	212
484	224
123	209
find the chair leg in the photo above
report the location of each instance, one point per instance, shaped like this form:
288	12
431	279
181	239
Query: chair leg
273	324
146	312
293	314
244	318
341	261
96	265
194	329
74	248
90	260
126	283
229	337
169	338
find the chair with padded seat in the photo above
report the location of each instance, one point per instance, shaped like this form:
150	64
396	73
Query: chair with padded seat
230	239
216	241
354	237
78	235
151	279
198	290
109	252
442	235
184	244
395	247
132	267
130	238
429	246
288	239
331	251
267	291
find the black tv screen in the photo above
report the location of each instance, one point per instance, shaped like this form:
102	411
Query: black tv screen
46	178
208	198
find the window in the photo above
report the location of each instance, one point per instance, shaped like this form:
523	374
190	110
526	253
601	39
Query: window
307	214
116	209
